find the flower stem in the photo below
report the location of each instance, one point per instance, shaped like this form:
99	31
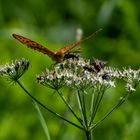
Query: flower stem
48	109
42	120
96	105
88	135
69	106
82	110
122	100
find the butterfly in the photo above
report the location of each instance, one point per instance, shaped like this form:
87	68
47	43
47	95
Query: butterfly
56	56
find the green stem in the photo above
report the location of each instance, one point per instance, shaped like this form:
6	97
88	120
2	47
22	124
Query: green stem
81	108
88	135
42	120
112	110
92	103
98	101
84	109
56	114
69	106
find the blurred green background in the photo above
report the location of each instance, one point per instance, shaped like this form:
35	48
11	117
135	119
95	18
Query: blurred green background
53	23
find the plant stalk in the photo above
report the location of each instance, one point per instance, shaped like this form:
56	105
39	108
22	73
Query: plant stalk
48	109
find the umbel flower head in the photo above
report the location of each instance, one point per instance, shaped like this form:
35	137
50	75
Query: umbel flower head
14	70
130	76
82	74
75	73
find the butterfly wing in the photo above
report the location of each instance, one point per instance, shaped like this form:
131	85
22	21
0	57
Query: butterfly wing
66	49
34	45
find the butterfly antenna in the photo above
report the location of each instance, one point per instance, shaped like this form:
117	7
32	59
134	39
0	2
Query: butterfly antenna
82	40
86	38
69	47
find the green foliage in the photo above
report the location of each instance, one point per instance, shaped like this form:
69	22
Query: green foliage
57	22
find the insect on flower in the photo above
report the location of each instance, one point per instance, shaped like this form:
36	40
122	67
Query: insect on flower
56	56
99	64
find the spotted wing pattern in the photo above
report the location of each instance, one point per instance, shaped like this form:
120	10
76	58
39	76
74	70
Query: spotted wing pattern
34	45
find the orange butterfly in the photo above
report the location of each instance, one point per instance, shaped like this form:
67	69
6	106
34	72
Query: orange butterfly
56	56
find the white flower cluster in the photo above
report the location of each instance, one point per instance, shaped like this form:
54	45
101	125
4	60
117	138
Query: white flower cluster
14	70
82	74
78	73
130	76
